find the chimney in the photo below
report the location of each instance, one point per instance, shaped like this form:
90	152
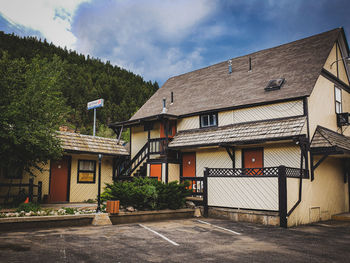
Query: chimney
172	98
229	66
164	105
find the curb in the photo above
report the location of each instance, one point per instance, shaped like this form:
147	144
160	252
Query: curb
22	223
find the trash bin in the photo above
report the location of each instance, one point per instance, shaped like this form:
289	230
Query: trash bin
112	207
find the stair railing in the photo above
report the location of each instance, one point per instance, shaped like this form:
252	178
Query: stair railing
152	146
132	165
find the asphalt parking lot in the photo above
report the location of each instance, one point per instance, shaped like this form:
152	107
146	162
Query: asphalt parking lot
190	240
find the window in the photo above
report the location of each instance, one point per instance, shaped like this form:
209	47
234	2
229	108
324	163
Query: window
337	95
86	171
208	120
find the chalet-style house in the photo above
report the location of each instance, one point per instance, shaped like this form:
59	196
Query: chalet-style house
282	110
74	178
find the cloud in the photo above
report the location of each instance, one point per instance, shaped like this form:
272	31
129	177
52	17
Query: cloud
151	38
51	18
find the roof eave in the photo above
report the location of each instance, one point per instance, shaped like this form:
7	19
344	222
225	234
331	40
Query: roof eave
130	123
94	153
238	143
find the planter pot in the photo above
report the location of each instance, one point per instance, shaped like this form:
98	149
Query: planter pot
112	207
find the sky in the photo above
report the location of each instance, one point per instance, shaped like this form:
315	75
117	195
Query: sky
158	39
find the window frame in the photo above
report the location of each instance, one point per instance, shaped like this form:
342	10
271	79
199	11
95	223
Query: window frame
208	115
86	171
336	102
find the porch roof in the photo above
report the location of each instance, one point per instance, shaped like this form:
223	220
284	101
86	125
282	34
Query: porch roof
79	143
325	139
242	133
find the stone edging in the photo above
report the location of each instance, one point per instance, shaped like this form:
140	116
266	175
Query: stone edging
43	218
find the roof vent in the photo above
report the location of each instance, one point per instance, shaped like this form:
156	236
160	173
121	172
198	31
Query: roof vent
171	97
164	106
229	66
274	84
250	64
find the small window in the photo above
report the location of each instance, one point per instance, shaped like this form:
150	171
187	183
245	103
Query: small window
337	95
86	171
208	120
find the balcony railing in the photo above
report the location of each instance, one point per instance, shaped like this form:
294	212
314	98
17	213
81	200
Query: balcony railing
158	146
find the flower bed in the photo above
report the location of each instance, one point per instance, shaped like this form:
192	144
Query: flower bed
26	210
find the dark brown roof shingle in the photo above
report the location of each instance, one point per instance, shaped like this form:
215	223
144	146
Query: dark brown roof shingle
211	88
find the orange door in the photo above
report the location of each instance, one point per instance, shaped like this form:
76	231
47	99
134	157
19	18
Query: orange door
253	158
189	167
156	171
189	164
59	180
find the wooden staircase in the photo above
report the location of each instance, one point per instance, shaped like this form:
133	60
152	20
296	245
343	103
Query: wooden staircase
137	166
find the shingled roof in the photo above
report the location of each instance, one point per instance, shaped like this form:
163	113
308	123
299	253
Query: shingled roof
239	133
75	142
325	138
213	88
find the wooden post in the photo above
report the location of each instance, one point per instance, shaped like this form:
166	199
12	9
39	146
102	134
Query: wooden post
98	210
282	196
205	192
40	187
30	191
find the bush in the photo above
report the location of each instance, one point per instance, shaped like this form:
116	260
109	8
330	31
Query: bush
27	207
69	210
147	194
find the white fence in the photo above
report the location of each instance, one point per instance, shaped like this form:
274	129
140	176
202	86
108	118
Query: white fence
243	192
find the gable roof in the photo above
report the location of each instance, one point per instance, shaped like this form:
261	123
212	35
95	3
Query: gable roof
212	88
267	130
325	138
75	142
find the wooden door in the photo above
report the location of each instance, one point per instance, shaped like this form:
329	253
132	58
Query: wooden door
59	180
253	158
189	164
156	171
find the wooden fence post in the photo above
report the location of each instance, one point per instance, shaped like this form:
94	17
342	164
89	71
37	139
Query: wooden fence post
40	187
282	196
31	186
205	192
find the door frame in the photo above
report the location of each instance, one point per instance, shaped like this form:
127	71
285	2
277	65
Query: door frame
69	159
195	163
252	149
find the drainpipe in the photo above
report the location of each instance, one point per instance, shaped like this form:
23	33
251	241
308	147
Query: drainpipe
301	180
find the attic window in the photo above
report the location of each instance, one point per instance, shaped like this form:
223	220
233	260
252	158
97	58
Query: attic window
274	84
208	120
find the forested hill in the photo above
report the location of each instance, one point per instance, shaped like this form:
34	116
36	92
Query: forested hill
86	79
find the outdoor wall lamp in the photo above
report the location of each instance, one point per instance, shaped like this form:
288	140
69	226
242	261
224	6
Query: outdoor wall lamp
343	58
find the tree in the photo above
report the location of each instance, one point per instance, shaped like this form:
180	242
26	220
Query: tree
32	108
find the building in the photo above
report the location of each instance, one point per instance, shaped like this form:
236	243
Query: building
253	115
74	178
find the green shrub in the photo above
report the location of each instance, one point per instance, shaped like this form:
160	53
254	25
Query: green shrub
89	201
27	207
69	210
147	194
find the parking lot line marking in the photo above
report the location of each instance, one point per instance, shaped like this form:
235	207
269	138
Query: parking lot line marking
222	228
164	237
